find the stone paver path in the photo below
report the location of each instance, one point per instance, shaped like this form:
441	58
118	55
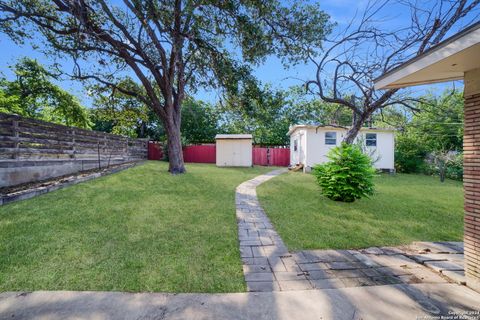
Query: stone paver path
269	266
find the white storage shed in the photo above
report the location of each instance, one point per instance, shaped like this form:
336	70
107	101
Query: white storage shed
234	150
309	145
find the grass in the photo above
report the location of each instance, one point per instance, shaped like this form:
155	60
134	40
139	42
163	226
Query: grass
138	230
405	208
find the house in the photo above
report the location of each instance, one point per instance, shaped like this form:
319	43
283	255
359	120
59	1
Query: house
455	58
310	144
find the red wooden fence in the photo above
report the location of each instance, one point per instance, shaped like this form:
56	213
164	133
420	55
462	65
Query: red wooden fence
271	156
155	151
260	156
206	153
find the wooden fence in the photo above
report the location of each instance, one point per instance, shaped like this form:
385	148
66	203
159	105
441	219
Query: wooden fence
206	153
155	150
33	150
271	156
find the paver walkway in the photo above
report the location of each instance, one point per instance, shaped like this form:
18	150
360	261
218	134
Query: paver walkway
269	266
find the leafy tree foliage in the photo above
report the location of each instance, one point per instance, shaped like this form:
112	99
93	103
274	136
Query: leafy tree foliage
260	111
439	124
410	153
33	94
199	122
435	128
116	112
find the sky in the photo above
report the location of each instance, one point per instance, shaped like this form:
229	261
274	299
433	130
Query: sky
271	72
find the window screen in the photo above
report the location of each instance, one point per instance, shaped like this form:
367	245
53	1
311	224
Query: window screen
371	139
331	138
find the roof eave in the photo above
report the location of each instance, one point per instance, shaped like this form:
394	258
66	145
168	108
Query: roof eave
449	47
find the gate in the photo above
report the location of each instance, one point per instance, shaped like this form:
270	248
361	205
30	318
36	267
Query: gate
271	156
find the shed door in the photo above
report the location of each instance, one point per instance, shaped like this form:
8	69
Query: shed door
228	148
233	152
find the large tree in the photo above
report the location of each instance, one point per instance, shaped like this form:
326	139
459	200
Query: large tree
372	45
171	46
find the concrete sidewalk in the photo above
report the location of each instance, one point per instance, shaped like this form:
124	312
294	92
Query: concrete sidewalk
422	301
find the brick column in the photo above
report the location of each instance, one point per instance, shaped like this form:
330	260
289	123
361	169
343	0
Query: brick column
471	178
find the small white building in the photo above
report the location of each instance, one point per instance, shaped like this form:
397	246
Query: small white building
309	144
233	150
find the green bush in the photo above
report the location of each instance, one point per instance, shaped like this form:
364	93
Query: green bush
410	153
455	169
347	176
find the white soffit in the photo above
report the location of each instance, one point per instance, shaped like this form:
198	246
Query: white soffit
447	61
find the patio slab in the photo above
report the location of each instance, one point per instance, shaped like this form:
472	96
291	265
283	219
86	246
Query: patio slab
422	301
440	266
457	276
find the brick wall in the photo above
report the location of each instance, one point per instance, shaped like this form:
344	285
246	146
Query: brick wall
471	144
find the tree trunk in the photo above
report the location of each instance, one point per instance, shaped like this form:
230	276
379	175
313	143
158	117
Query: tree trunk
442	172
354	129
175	153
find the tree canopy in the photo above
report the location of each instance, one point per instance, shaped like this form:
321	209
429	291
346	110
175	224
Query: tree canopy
173	47
33	94
119	113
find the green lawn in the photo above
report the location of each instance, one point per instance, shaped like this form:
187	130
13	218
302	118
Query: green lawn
405	208
138	230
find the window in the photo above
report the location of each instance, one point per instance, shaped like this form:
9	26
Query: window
371	139
331	138
295	145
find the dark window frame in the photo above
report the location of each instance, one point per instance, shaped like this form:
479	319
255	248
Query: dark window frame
331	141
372	140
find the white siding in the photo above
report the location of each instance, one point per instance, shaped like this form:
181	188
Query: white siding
385	150
234	152
298	156
316	150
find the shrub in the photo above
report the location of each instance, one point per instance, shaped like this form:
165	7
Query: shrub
347	176
410	153
452	167
455	169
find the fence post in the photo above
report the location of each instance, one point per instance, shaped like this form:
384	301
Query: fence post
16	135
74	147
126	151
98	153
